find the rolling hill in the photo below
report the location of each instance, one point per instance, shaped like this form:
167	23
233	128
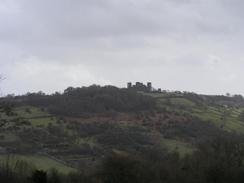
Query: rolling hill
77	128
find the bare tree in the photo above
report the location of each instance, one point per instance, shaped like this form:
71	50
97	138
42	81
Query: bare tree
4	108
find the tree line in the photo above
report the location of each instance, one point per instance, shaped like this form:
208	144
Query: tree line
93	99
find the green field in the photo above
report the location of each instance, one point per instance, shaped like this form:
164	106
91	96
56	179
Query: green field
178	146
182	101
42	121
29	112
36	116
38	161
226	118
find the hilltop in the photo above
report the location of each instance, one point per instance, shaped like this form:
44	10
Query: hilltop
77	128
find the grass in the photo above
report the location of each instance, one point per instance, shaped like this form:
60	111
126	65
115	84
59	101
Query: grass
87	140
33	112
174	99
227	119
154	95
182	101
42	121
235	126
120	152
40	162
36	116
178	146
207	115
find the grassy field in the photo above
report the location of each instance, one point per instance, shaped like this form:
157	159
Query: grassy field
36	116
40	162
178	146
225	118
29	112
42	121
182	101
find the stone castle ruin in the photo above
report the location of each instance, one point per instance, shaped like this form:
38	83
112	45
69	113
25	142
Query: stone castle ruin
142	87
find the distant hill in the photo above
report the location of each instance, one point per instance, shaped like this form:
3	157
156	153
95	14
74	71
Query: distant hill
78	127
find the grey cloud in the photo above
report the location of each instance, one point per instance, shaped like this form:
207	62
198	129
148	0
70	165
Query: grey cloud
79	19
180	44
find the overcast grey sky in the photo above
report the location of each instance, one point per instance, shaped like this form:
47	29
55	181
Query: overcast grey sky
189	45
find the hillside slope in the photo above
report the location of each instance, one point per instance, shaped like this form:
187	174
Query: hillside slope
80	126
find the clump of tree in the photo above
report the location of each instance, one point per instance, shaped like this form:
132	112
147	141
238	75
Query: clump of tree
220	160
217	161
93	99
241	116
5	109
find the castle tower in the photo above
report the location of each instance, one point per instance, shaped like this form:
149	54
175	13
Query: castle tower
129	85
149	86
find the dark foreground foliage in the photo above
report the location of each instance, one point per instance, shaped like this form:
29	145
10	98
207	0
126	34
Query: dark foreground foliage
217	161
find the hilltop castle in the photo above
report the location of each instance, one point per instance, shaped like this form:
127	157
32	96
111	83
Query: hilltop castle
142	87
